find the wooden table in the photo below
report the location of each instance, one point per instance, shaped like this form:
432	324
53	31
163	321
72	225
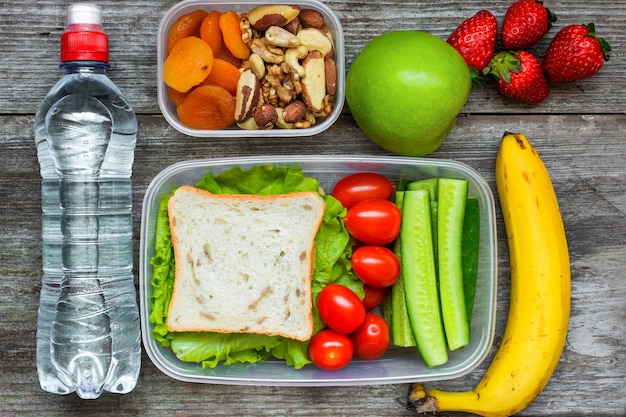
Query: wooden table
578	130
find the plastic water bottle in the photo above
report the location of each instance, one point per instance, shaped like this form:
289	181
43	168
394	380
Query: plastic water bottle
88	336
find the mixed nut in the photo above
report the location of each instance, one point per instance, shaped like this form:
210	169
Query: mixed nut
290	78
276	68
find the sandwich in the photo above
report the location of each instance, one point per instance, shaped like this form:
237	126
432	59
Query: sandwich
243	262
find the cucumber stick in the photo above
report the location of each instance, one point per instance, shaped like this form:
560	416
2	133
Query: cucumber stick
420	280
471	247
451	200
430	185
401	333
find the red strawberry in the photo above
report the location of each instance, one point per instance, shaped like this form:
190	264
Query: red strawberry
519	76
525	23
475	39
575	53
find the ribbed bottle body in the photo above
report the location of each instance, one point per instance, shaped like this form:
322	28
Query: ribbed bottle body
88	337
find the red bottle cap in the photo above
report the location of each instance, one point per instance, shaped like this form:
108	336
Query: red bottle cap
84	38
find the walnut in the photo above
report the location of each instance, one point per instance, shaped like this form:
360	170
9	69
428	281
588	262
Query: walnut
286	81
268	94
246	29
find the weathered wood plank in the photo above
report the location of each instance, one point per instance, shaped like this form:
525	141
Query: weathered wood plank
584	154
578	131
30	37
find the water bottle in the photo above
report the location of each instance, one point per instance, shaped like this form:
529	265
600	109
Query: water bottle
88	336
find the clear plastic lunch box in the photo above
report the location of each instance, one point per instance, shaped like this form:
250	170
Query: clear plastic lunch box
398	365
168	109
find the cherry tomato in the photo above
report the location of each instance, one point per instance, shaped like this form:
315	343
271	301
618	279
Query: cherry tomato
376	265
362	186
371	339
340	308
374	296
375	222
331	350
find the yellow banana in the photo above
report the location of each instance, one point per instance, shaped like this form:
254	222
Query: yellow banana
540	293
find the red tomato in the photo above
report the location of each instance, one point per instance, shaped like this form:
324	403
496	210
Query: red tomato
331	350
374	296
375	222
362	186
371	339
340	308
376	265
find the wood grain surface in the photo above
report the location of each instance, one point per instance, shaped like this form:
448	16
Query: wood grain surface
578	130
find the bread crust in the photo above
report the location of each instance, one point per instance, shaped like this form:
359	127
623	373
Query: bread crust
216	290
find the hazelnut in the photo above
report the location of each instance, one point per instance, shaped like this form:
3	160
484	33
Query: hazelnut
265	116
294	111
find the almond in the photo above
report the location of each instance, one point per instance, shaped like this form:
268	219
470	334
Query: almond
280	122
311	18
330	72
293	26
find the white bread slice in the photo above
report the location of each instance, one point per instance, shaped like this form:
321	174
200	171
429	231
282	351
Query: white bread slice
244	263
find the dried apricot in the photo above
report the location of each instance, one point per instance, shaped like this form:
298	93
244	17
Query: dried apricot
224	74
232	34
210	31
188	64
186	25
207	107
176	97
226	55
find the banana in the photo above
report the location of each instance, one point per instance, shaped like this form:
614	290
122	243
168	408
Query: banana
540	293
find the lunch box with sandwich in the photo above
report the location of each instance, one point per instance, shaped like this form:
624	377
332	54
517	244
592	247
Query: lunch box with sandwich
398	365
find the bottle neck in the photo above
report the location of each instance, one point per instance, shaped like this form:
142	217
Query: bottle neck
94	67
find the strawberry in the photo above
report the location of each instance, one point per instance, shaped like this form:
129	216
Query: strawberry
519	76
525	23
575	53
475	39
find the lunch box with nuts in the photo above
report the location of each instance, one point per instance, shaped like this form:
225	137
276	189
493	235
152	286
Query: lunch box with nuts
292	84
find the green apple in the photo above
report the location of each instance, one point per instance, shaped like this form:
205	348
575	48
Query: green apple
406	89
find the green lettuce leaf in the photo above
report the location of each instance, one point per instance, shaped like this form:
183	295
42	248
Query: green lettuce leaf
333	247
213	348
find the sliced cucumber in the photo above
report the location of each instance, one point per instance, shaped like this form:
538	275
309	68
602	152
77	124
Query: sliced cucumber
429	184
451	199
401	333
471	247
403	183
419	275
